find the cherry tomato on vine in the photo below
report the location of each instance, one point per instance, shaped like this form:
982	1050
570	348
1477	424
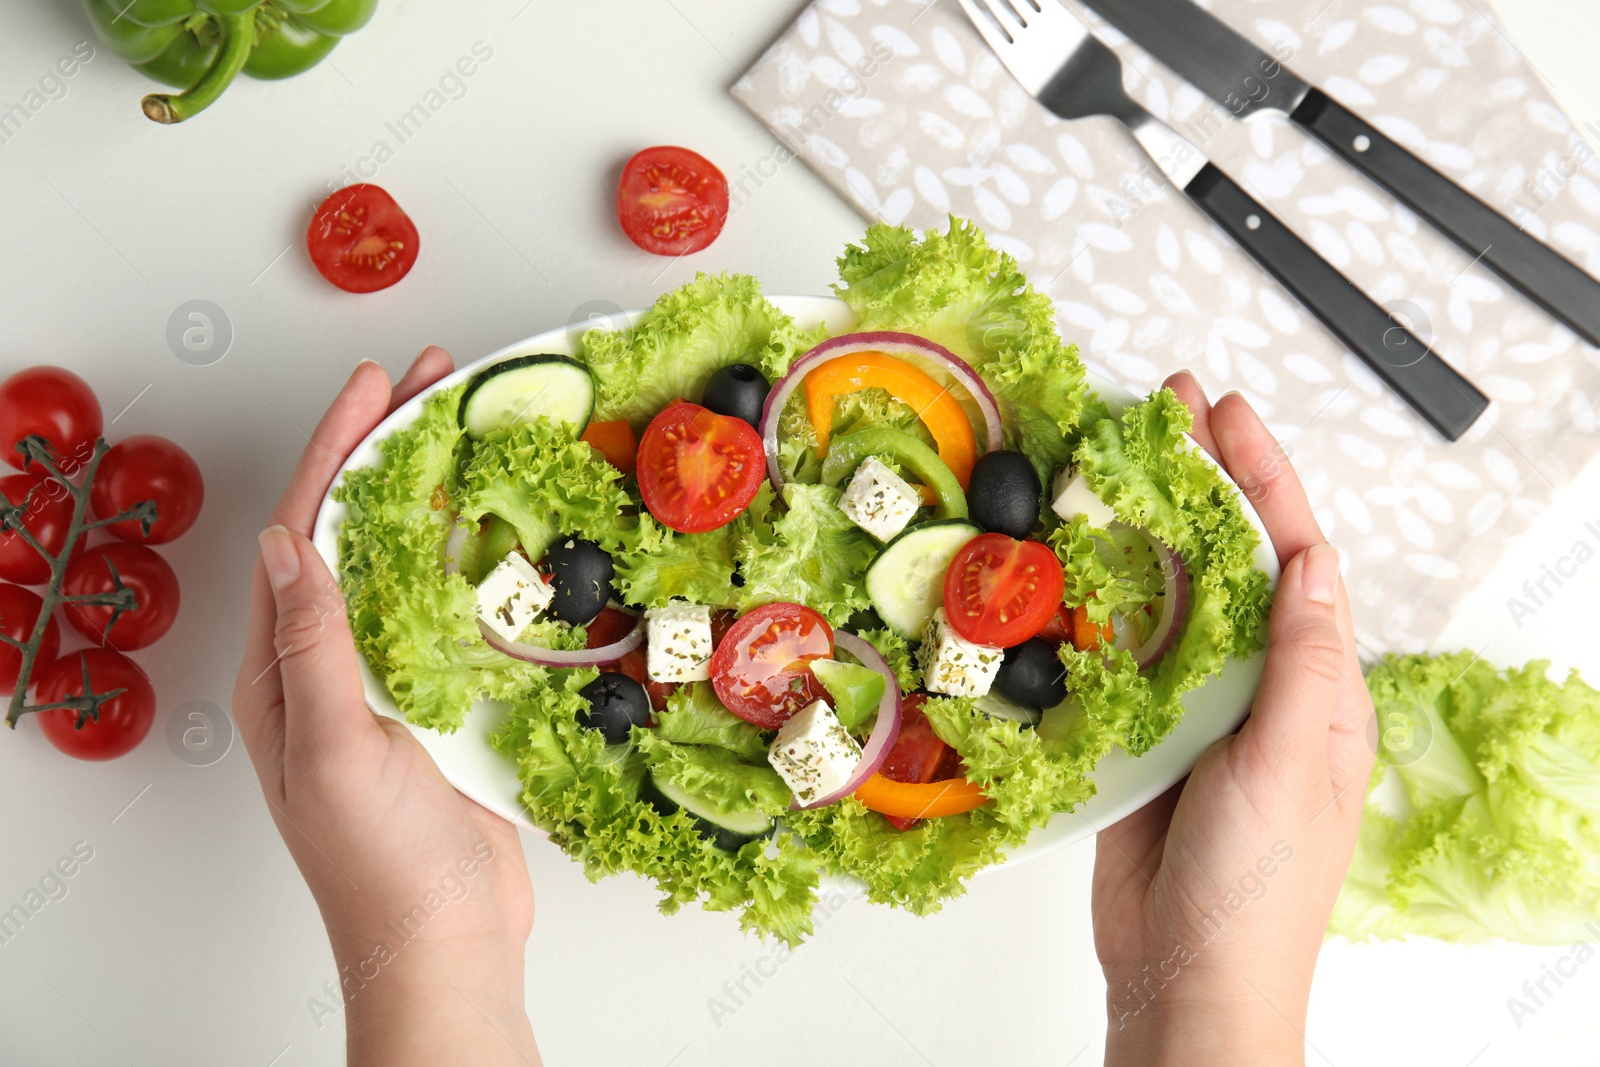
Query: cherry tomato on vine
55	404
154	585
19	613
124	719
697	469
1000	591
147	467
361	240
672	201
48	518
761	667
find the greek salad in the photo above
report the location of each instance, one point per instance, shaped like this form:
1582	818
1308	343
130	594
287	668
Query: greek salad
763	604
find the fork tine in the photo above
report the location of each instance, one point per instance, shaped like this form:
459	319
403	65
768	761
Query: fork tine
986	22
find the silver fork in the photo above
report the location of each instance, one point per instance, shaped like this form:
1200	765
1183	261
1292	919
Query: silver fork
1072	73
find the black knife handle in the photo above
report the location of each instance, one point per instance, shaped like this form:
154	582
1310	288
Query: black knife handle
1548	279
1430	385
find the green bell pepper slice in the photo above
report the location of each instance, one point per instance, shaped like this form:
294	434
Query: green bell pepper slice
845	454
200	46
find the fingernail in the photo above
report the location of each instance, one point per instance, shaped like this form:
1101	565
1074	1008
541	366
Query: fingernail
279	556
1230	392
1319	573
364	359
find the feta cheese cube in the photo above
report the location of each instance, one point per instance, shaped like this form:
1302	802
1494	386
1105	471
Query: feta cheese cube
1070	496
512	595
678	642
814	753
878	500
954	666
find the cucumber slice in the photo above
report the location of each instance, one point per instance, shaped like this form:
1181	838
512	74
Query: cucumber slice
906	581
996	706
730	831
846	453
524	389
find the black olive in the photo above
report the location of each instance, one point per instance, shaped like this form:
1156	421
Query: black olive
616	704
738	391
1032	675
1003	495
581	573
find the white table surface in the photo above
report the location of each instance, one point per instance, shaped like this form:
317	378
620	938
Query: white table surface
189	938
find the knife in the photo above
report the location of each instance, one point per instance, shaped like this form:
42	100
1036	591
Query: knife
1236	73
1051	52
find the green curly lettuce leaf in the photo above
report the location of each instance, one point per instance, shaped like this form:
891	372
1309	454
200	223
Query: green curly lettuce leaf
586	795
548	484
897	652
417	626
809	554
726	782
956	290
863	409
1483	813
694	716
657	565
691	332
1142	465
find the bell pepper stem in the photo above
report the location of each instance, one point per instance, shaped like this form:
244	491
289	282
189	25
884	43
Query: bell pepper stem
237	37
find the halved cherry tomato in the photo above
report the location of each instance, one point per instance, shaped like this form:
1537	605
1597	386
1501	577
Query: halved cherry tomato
1000	591
934	404
671	201
361	240
698	469
19	614
614	441
608	626
761	668
54	404
1088	635
124	719
1059	626
48	518
917	757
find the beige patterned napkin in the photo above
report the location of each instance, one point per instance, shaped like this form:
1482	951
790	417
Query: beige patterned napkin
902	108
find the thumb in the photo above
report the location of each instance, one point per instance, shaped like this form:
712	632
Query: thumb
324	700
1310	656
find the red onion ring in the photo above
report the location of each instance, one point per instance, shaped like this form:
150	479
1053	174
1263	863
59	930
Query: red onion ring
1174	605
884	731
544	657
552	657
908	346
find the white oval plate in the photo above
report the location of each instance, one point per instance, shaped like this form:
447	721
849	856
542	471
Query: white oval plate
1123	784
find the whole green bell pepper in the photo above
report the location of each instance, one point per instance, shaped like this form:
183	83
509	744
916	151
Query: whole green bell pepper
200	46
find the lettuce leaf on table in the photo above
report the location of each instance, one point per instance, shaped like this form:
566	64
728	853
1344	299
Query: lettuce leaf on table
1495	831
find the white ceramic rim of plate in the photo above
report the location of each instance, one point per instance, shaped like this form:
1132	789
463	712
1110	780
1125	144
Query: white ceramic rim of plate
1123	784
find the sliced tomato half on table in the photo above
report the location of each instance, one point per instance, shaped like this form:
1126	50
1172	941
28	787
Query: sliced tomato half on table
672	201
761	668
697	469
921	777
1000	591
361	240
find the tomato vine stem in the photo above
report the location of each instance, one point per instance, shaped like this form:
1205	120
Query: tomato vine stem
121	598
